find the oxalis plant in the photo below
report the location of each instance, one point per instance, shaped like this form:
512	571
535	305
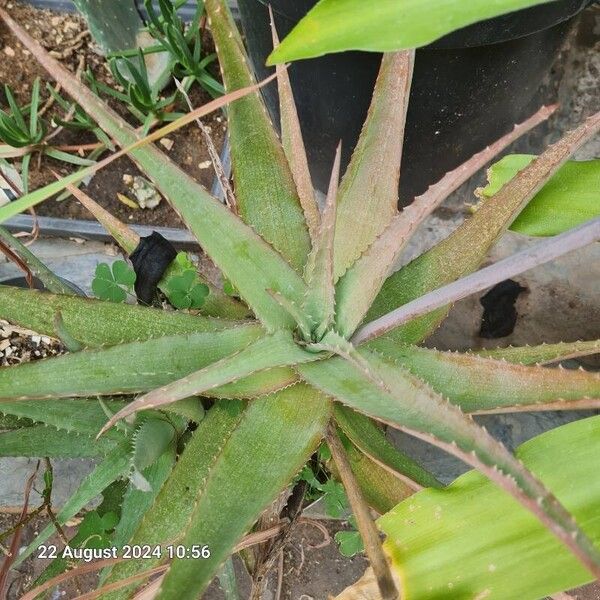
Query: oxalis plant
324	344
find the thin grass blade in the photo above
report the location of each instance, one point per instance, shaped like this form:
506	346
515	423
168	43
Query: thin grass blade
113	466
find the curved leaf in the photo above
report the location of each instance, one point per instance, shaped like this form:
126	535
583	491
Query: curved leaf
482	543
338	25
81	416
571	197
167	518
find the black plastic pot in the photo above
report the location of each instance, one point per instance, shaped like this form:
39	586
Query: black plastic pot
469	88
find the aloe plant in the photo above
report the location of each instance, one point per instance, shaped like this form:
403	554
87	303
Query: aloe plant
330	345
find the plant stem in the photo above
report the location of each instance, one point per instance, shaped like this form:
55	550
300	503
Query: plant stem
366	526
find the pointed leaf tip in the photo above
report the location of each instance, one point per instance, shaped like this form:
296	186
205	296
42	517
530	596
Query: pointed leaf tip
320	297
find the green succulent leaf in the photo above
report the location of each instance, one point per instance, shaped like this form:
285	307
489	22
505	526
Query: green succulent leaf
339	25
80	417
109	371
112	283
264	186
38	441
384	391
97	323
484	384
217	468
367	202
246	259
173	507
267	352
319	302
480	539
136	502
151	440
274	439
568	199
293	145
543	353
371	441
381	489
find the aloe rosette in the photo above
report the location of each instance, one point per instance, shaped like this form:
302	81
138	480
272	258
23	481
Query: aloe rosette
323	343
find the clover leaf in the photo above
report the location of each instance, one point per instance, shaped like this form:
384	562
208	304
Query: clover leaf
184	291
113	282
349	542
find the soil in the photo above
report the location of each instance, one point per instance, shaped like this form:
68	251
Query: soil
66	38
19	345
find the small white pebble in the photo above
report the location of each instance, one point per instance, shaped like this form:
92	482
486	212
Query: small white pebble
8	351
36	339
46	340
9	51
4	344
205	164
167	143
